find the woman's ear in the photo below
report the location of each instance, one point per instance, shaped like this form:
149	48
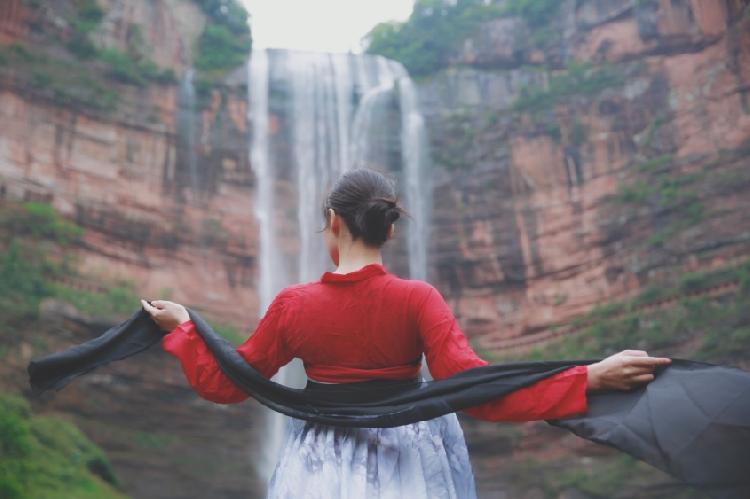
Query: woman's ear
334	221
391	231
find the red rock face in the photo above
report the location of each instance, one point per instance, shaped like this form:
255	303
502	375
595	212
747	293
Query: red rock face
170	26
123	174
123	183
526	233
12	15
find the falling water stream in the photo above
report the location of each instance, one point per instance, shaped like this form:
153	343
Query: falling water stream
333	113
186	125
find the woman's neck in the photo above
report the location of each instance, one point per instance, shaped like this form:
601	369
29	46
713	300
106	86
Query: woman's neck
356	257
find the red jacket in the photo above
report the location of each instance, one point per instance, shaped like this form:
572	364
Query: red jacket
362	325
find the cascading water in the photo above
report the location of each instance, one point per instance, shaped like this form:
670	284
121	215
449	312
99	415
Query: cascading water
330	113
415	153
272	273
186	126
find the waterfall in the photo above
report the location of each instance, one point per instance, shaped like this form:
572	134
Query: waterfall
418	182
272	272
186	125
334	113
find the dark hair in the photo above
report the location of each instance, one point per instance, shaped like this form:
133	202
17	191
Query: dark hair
367	201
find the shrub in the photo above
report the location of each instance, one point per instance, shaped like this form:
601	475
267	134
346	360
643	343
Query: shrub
577	79
425	41
720	326
226	40
219	49
536	13
41	456
435	28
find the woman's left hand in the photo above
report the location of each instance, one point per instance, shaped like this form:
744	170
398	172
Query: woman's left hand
168	315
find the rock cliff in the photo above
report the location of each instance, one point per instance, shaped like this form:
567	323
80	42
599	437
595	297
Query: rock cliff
123	171
593	186
578	167
104	139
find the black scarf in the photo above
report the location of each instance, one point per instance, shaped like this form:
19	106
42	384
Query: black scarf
692	421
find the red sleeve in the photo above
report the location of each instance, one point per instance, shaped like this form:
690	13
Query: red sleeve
447	351
266	350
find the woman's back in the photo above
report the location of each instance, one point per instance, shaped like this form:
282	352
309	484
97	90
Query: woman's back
368	324
358	326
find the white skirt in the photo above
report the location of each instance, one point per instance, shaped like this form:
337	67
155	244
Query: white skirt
422	460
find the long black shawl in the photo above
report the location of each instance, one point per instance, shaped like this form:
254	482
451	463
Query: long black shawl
692	421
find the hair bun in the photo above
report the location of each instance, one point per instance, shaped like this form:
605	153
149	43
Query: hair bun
368	203
392	213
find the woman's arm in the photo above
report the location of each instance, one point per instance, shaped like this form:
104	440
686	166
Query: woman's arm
448	352
266	350
560	395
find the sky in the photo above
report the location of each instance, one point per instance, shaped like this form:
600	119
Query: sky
320	25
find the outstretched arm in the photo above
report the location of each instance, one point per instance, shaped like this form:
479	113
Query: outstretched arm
560	395
448	352
266	350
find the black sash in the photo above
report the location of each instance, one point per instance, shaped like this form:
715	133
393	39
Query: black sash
692	421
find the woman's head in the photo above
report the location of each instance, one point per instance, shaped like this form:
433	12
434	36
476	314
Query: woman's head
366	202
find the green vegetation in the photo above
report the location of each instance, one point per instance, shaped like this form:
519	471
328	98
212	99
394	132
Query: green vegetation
665	193
83	79
230	333
25	267
152	440
432	32
424	42
80	80
655	163
64	81
599	477
225	43
553	130
578	133
652	129
132	67
536	13
30	273
719	329
577	79
221	50
42	456
39	220
125	68
458	140
86	19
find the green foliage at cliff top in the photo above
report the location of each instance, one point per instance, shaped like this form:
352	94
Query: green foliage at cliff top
226	40
65	81
424	42
49	457
432	32
82	77
228	13
535	12
133	66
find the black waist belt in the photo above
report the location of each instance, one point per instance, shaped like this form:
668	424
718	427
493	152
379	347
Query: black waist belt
692	421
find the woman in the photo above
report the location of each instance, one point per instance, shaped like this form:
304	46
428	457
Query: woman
361	322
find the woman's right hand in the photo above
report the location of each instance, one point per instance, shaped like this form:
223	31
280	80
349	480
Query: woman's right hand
624	370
